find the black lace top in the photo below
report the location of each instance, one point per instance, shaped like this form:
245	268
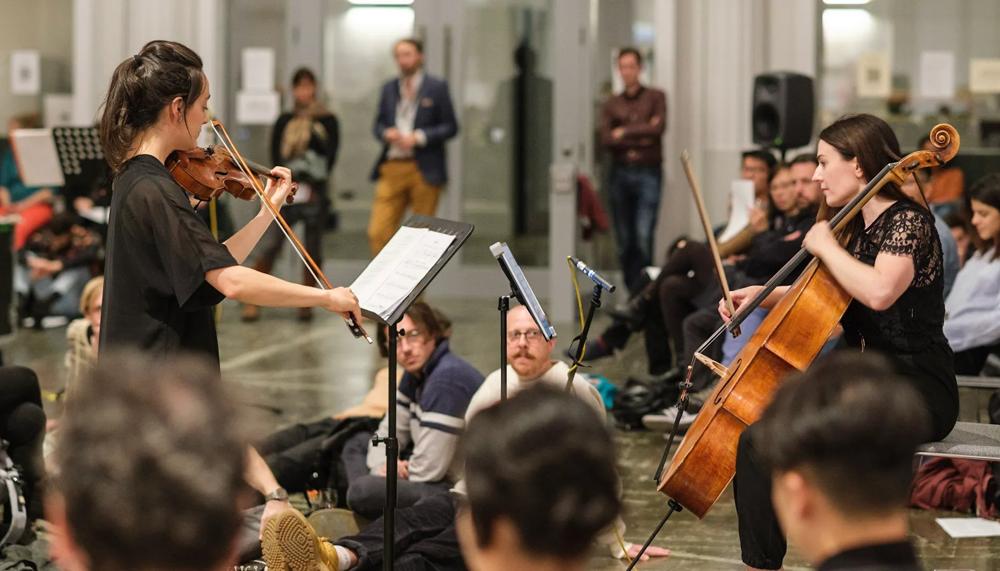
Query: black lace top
909	331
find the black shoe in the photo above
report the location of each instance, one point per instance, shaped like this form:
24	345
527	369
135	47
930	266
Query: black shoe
629	314
668	377
595	349
634	311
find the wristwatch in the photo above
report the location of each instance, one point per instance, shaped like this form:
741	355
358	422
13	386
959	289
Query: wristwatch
278	495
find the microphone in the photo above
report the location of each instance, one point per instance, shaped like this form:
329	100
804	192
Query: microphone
594	276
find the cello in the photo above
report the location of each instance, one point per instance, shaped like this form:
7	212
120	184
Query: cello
790	337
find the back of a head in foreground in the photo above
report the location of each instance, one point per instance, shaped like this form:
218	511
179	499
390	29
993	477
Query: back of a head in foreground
151	461
851	427
545	462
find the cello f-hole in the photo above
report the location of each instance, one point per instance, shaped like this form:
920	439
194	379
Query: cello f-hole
725	382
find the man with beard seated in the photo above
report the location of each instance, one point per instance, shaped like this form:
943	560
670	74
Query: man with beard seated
425	532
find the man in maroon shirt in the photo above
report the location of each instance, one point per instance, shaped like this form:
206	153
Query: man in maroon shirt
632	126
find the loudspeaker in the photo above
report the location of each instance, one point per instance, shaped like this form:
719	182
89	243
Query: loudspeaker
783	106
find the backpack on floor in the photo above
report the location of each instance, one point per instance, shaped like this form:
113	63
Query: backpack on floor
637	399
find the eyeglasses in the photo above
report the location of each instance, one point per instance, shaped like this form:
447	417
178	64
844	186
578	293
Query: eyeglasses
529	336
411	336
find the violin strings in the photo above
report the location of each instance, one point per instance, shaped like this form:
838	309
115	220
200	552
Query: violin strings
260	193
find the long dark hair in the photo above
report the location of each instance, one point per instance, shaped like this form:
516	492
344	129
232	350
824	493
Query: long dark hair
987	191
871	141
141	87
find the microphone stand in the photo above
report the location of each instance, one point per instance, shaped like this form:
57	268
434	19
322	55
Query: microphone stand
581	339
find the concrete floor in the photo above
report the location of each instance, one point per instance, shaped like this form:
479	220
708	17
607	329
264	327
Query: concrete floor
307	370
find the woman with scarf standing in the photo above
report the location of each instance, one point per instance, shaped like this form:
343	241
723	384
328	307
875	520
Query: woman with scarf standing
306	141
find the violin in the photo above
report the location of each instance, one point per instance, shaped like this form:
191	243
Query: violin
790	337
208	172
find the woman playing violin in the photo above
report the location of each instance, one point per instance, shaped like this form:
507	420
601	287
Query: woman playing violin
164	270
892	267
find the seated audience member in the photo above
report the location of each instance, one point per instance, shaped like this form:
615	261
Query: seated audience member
433	395
797	198
949	250
807	191
22	426
83	334
426	530
839	440
960	227
93	204
768	253
54	266
306	452
152	476
32	204
972	311
515	516
691	269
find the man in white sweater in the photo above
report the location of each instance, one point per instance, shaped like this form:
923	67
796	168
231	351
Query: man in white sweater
432	519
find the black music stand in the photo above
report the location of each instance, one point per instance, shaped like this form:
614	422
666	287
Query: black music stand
461	231
81	158
520	289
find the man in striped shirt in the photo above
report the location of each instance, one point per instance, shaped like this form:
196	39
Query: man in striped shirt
430	415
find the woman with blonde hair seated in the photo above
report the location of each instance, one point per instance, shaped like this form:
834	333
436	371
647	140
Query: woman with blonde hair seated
83	334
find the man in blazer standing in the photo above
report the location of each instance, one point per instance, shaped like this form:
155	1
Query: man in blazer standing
415	118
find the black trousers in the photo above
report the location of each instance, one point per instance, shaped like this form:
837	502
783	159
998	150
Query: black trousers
366	491
425	538
971	361
762	542
292	453
22	425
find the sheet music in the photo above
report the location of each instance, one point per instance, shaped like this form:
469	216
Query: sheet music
398	268
969	526
741	200
37	159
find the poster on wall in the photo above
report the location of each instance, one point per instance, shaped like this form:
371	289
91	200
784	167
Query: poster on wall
257	108
937	74
874	75
984	75
25	72
57	109
258	70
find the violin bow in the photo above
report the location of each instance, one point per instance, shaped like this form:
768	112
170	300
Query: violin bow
709	235
317	273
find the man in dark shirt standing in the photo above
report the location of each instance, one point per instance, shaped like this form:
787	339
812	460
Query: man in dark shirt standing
632	126
841	455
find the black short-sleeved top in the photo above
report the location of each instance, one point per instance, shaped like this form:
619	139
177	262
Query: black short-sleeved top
910	331
158	251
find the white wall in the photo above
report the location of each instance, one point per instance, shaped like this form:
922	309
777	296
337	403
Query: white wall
709	53
105	32
43	25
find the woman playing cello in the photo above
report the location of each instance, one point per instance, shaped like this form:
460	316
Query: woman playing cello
164	270
892	268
